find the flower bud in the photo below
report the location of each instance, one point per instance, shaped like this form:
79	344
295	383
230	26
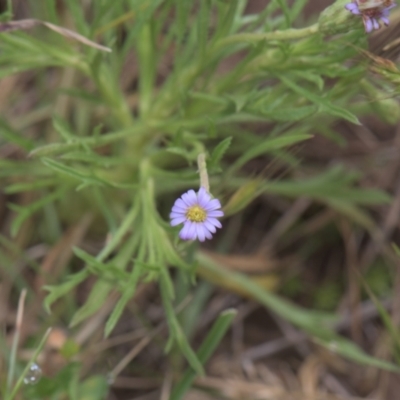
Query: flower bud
336	19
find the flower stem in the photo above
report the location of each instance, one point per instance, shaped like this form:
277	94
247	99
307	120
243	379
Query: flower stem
201	162
288	34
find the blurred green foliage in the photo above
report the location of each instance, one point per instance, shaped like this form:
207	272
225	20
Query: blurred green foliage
119	135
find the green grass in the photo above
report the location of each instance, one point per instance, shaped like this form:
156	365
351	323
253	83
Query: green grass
116	135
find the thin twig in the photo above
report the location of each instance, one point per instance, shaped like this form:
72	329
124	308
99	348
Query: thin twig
14	348
167	385
143	343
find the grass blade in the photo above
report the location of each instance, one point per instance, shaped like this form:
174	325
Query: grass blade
207	348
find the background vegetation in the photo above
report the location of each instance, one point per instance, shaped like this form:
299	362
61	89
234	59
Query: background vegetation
105	108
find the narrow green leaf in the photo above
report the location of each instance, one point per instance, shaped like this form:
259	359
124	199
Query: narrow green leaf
385	316
290	114
311	77
60	148
352	211
209	97
268	145
176	332
143	10
75	173
12	136
104	271
27	211
203	18
126	296
102	288
28	186
286	11
94	388
116	239
82	95
218	153
227	14
182	18
63	129
78	15
96	299
333	185
207	348
54	149
58	291
321	102
243	197
297	8
315	323
145	45
28	365
352	352
87	258
309	320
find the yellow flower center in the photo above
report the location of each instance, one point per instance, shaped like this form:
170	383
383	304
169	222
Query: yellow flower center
196	214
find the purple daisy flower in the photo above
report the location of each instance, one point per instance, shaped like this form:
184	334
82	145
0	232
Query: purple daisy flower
198	213
372	13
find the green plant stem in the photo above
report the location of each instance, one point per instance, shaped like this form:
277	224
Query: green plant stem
147	69
116	239
14	346
28	365
10	9
207	348
112	95
303	318
288	34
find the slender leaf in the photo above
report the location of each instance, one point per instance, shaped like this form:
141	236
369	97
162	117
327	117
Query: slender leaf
207	348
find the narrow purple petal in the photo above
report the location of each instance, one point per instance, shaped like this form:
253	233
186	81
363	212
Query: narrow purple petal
180	203
189	197
214	204
375	23
177	215
368	25
192	234
185	199
215	213
385	20
178	209
207	233
200	230
210	226
352	7
203	197
177	221
215	222
183	234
